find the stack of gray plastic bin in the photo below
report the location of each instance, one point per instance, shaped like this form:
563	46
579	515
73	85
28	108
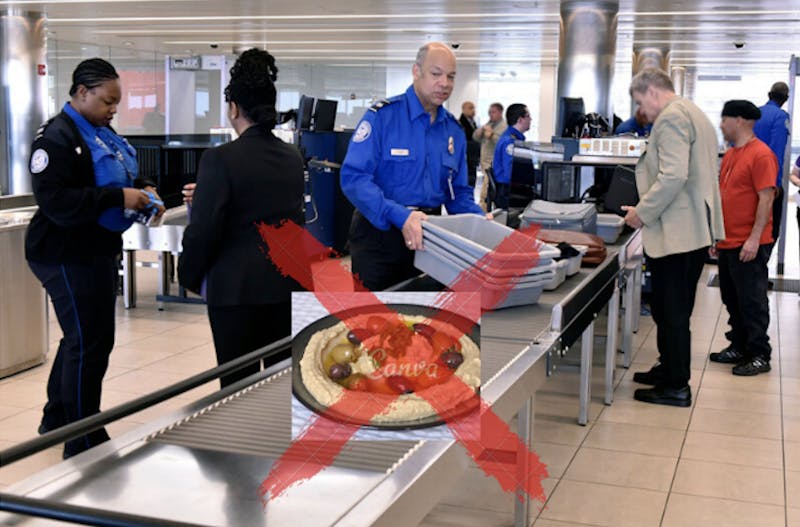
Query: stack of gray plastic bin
461	251
581	217
609	227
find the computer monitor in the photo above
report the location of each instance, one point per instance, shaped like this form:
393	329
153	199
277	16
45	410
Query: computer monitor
305	110
621	190
325	115
571	116
560	182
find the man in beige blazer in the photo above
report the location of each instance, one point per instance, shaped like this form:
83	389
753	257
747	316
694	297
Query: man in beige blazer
680	215
488	135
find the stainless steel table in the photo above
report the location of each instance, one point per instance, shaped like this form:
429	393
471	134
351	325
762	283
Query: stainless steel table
203	464
166	239
23	302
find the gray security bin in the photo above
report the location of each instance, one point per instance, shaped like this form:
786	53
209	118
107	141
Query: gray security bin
580	217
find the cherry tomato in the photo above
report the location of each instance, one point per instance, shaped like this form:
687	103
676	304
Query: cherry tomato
434	373
376	324
379	385
399	384
357	382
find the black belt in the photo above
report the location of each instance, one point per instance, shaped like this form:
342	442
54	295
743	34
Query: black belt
430	211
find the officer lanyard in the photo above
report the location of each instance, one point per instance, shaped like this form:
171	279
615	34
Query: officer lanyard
111	145
450	176
450	184
451	149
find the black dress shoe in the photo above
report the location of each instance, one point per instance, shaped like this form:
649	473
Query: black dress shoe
727	356
662	395
652	377
752	366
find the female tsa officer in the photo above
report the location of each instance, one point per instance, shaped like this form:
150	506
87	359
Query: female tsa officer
83	177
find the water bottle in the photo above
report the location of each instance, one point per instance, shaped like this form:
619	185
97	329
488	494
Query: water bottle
479	182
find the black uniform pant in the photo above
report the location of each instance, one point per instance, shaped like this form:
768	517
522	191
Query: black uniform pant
798	222
84	298
238	330
502	197
743	288
674	284
380	259
777	208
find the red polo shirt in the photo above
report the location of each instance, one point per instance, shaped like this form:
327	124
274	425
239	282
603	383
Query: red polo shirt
743	173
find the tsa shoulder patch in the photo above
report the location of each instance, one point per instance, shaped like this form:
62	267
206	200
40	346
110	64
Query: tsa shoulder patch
362	132
39	161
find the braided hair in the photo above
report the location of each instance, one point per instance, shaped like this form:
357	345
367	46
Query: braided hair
92	73
252	87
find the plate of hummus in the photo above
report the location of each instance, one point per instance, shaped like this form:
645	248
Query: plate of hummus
401	366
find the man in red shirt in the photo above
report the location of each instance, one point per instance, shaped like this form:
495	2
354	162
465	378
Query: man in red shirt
747	188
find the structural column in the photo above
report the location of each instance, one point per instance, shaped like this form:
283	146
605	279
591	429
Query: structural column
678	75
23	94
587	48
649	57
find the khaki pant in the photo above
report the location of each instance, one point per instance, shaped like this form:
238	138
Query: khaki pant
484	187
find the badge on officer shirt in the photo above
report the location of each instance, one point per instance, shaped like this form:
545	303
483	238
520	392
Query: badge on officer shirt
451	145
362	132
39	161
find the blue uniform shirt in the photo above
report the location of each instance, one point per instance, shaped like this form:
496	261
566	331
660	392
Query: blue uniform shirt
773	129
398	159
632	126
503	158
114	164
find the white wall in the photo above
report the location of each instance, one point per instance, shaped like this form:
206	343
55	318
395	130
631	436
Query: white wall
547	102
466	89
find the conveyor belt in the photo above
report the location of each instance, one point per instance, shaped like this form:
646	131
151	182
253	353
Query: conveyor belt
257	421
226	448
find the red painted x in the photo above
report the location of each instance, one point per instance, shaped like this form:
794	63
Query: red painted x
485	438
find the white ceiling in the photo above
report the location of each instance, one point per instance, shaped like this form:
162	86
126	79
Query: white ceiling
697	32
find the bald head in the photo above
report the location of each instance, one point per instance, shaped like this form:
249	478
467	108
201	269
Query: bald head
422	52
468	109
779	93
434	73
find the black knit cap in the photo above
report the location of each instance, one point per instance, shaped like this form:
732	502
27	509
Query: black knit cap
743	109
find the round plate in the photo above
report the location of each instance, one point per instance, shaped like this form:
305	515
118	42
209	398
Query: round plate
300	342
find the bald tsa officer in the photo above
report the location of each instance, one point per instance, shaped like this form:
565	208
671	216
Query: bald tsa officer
406	159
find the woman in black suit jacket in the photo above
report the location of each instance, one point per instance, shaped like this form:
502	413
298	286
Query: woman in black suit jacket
256	178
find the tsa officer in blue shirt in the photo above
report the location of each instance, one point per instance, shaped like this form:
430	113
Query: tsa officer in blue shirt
406	159
773	128
519	121
635	125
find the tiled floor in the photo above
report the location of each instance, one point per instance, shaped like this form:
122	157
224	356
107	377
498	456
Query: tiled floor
732	459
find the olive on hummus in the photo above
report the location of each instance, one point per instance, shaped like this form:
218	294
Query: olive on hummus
417	366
